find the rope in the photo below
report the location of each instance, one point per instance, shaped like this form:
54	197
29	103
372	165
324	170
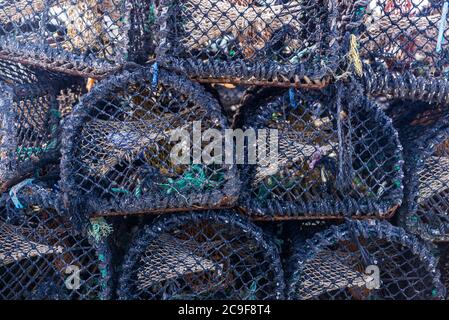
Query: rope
99	229
155	79
354	55
14	190
442	27
293	103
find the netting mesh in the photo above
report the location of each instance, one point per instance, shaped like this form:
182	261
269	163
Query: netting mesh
426	207
209	255
364	261
338	154
32	104
406	35
85	37
42	256
276	42
120	151
443	265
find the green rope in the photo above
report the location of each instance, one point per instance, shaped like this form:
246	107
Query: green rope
99	229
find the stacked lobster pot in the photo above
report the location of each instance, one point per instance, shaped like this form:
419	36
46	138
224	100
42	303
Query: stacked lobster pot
115	171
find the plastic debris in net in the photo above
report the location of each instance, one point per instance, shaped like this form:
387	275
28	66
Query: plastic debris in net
208	255
363	260
32	104
338	154
129	148
85	38
42	255
406	35
276	43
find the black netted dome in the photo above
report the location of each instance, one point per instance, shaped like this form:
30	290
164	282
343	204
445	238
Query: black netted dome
364	261
210	255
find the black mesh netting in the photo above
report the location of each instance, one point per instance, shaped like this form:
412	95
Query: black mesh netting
362	261
32	104
80	37
426	205
277	42
42	256
209	255
443	264
338	154
405	35
405	86
131	145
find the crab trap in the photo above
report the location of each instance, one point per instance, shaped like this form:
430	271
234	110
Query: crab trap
275	43
87	38
42	255
138	143
320	156
207	255
405	35
363	260
32	104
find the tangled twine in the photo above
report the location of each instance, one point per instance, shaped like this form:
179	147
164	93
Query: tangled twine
99	229
354	56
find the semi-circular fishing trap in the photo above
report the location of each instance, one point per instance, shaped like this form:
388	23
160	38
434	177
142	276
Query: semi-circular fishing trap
276	43
364	260
84	37
139	143
337	155
32	104
207	255
406	35
42	255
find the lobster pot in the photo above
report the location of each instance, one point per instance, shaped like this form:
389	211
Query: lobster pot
132	145
86	38
337	154
426	208
364	261
208	255
42	256
32	104
277	43
406	35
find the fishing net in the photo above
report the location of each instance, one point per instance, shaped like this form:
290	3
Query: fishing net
279	42
134	145
32	104
425	211
85	37
406	35
208	255
364	260
444	267
405	86
337	154
42	255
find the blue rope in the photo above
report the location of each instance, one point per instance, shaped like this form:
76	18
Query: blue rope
291	94
155	79
14	190
442	27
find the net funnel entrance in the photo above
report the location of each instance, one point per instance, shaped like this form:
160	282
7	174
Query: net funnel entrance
32	105
277	43
85	38
406	35
338	154
129	147
42	256
364	260
202	256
